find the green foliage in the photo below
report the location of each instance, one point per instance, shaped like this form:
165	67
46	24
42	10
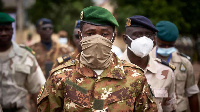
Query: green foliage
175	11
63	13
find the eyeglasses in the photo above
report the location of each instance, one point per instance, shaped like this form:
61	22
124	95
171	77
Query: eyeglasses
46	28
76	36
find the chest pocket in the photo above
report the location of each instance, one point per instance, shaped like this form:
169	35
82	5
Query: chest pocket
21	73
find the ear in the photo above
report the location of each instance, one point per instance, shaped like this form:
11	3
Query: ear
155	41
125	38
80	35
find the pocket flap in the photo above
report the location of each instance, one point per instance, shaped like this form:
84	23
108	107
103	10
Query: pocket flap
161	93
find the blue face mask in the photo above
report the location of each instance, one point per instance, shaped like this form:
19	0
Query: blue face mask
166	51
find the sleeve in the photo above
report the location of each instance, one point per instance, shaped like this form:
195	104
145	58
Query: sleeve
35	79
191	86
169	103
50	98
144	102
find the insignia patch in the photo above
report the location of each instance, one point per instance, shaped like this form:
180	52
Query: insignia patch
128	22
40	93
182	68
81	16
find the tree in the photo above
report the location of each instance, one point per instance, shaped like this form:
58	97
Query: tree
63	13
157	10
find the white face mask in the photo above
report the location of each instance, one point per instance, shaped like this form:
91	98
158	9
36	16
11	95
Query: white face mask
63	40
141	46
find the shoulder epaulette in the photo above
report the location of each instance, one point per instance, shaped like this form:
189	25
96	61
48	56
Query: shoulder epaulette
27	48
167	64
184	55
62	59
132	65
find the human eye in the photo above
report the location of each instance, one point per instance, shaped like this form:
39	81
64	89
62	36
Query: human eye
104	34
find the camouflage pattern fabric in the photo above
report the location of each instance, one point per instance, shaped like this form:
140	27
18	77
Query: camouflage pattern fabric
45	56
73	87
162	83
185	79
20	75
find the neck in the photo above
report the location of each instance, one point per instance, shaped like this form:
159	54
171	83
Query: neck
141	62
5	47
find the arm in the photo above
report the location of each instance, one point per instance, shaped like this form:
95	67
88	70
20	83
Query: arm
144	101
194	103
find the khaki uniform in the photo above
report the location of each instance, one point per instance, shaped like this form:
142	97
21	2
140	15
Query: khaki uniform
45	57
19	74
73	87
185	79
162	83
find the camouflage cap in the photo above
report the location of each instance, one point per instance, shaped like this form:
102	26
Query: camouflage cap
5	18
98	15
167	31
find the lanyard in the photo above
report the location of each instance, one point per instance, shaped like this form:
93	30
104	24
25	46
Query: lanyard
168	59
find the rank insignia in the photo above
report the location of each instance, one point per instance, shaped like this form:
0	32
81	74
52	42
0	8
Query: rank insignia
128	22
182	68
81	16
40	93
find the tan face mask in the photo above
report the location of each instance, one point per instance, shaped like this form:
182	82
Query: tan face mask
96	52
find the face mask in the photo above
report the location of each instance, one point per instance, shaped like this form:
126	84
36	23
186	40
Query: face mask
63	40
96	52
141	46
166	51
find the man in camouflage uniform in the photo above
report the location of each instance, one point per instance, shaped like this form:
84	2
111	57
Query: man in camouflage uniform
96	80
47	50
185	79
19	70
139	37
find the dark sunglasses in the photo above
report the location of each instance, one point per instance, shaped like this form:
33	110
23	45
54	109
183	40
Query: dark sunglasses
45	28
76	36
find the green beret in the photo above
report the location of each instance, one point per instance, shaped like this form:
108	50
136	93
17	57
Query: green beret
98	15
167	31
5	18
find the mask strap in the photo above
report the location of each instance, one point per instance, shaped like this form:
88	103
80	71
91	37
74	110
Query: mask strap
81	35
129	37
112	38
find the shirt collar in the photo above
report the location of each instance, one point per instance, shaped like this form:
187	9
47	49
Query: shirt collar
15	50
175	57
151	66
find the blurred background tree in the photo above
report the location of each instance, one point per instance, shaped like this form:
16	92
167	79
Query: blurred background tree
1	5
184	13
63	13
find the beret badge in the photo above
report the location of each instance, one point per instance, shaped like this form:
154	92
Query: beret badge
128	22
81	16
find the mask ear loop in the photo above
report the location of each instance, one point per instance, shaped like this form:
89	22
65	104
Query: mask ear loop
81	35
112	39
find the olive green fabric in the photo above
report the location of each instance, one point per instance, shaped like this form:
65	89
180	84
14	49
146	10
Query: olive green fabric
167	31
98	15
5	18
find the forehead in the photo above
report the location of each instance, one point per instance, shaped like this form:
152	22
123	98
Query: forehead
6	26
87	27
137	29
160	42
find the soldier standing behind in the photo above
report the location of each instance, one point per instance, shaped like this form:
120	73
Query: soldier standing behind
47	50
185	79
19	70
140	36
96	80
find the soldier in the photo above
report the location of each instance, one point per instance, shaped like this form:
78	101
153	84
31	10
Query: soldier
96	80
19	70
185	79
47	50
139	37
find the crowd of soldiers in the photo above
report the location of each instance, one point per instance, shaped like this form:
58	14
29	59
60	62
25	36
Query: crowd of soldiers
150	75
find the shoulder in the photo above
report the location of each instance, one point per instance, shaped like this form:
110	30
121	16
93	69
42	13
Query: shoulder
130	65
163	62
62	59
27	49
64	65
184	56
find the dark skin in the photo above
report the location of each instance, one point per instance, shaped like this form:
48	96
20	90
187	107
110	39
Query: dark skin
193	100
6	32
134	33
76	39
89	30
45	31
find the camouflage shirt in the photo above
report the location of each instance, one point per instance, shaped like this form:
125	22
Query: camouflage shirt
74	87
45	57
